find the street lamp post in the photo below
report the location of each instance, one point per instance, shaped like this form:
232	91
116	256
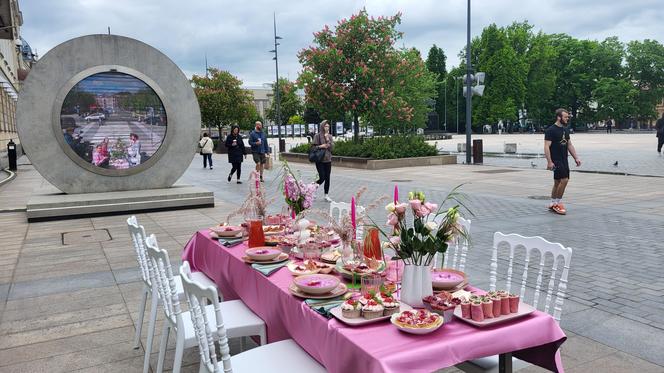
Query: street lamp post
276	84
469	94
445	104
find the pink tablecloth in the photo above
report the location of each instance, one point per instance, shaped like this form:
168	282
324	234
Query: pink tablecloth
373	348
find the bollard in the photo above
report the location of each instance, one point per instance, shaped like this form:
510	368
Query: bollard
11	154
478	152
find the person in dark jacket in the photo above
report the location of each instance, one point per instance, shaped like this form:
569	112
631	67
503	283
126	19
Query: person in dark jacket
235	146
660	134
323	140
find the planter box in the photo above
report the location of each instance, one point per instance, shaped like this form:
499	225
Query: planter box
376	164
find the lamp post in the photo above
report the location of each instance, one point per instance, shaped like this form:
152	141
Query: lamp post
469	95
276	84
445	99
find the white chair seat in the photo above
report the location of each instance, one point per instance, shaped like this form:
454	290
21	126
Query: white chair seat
489	364
283	356
202	279
239	321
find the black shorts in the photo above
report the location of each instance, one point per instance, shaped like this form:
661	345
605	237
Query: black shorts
561	170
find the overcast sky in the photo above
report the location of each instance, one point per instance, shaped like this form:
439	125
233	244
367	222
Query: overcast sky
236	35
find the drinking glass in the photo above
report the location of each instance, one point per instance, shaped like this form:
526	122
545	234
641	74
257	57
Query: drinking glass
311	251
371	283
256	235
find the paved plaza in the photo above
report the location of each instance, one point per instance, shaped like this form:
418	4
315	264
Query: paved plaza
72	306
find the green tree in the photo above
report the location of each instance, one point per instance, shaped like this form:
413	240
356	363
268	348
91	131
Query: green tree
541	82
290	102
615	98
295	119
357	69
222	100
311	115
505	78
436	64
645	68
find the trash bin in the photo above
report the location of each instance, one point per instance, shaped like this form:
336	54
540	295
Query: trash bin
478	152
11	154
282	145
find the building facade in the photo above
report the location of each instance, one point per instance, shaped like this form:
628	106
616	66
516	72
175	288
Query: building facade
16	58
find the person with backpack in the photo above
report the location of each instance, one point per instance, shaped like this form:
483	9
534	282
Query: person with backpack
206	145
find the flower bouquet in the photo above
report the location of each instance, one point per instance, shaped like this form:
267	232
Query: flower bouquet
417	244
298	195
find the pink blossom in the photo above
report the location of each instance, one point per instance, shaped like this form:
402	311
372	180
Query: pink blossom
392	219
400	208
395	240
415	204
431	206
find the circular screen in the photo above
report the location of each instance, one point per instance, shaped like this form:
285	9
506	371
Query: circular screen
113	121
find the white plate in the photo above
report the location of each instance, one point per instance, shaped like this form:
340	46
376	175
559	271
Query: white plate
524	309
417	330
279	259
336	312
339	291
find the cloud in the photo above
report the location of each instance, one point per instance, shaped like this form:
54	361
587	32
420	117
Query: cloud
236	36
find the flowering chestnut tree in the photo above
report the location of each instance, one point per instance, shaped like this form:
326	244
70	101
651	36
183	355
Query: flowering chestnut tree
356	69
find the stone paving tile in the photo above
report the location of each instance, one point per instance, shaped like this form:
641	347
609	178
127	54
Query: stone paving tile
61	284
62	346
618	362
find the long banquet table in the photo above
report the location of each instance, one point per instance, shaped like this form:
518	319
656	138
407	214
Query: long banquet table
378	347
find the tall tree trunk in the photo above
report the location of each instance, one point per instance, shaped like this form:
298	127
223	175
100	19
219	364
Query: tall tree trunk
356	127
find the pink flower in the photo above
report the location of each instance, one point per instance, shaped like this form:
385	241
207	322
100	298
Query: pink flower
392	219
431	206
422	212
395	240
415	204
400	208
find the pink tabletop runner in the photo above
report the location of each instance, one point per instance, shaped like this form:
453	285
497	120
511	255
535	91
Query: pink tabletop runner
377	347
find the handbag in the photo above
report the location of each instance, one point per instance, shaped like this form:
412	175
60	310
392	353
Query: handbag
316	154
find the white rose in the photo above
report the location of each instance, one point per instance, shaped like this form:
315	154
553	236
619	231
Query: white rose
431	226
390	207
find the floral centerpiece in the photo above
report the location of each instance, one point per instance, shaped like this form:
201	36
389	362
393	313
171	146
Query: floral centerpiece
418	243
298	195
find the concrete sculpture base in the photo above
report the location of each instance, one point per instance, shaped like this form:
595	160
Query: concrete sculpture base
50	203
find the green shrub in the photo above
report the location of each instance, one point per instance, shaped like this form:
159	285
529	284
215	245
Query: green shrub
380	148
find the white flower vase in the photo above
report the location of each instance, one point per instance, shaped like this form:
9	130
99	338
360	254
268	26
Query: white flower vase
304	235
416	284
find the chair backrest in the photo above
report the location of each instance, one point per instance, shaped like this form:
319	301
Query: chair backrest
164	281
545	249
338	209
137	234
455	258
198	296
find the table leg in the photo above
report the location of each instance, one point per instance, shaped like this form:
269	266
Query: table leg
505	363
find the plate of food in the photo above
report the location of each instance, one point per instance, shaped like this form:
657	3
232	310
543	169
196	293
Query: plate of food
331	256
340	290
492	308
280	258
316	284
355	312
301	269
363	269
417	321
271	230
273	240
226	230
447	279
262	253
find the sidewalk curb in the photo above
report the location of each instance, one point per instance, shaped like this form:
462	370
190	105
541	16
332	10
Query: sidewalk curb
12	176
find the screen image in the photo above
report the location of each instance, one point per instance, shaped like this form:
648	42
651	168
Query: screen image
113	120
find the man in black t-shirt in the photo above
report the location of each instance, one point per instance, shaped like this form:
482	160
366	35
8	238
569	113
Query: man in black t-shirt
557	145
660	134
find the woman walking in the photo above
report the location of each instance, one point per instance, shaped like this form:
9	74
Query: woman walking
235	146
323	140
206	146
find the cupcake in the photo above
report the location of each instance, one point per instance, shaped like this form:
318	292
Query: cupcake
372	310
351	309
366	298
390	305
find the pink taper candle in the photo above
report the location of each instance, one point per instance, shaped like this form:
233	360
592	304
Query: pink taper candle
396	194
352	215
